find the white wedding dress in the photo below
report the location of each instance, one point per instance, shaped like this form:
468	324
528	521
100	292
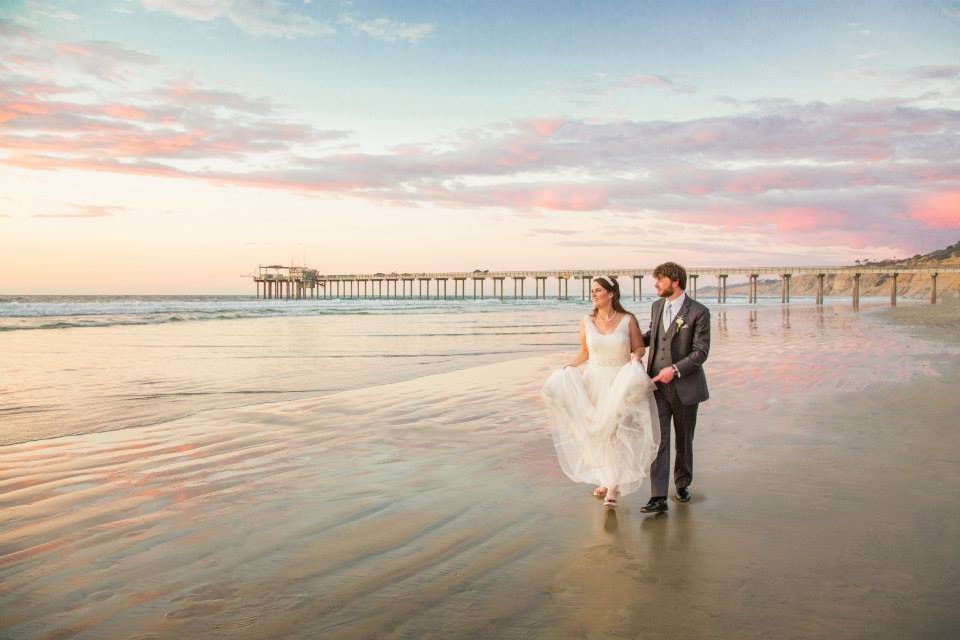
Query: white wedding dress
604	419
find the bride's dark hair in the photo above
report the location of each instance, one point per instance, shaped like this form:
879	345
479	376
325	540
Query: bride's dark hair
613	288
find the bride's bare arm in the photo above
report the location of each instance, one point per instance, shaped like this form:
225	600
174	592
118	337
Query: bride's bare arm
636	339
584	354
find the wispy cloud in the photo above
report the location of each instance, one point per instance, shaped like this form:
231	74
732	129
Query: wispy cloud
555	232
279	19
932	75
85	211
23	51
389	30
12	30
105	60
934	72
647	80
34	12
270	18
596	84
36	9
868	55
194	94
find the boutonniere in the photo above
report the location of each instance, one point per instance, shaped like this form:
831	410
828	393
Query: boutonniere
680	322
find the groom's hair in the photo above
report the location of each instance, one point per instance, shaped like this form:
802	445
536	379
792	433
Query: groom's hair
673	271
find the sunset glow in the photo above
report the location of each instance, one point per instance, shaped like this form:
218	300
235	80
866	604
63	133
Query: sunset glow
171	146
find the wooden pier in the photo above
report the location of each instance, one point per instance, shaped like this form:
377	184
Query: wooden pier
299	283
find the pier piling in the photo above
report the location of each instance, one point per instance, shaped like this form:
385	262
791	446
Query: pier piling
721	288
785	287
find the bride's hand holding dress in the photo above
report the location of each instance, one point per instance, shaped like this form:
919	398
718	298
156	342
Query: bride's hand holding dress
603	414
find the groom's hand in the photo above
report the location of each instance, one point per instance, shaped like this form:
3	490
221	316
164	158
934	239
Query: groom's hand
665	376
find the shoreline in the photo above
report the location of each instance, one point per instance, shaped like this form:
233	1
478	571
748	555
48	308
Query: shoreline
391	306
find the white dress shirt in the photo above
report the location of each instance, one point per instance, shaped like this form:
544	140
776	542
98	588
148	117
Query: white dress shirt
673	308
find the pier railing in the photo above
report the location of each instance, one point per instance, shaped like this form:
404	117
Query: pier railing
277	281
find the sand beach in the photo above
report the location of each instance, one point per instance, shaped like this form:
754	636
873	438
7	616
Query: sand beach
432	507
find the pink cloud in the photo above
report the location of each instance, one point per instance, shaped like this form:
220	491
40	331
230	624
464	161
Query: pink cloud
518	155
792	221
189	124
570	198
69	48
124	112
546	127
191	93
938	211
17	109
801	219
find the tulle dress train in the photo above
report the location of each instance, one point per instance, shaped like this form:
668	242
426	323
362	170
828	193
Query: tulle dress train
603	416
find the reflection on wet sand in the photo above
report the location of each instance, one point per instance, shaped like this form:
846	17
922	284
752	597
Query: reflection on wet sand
610	522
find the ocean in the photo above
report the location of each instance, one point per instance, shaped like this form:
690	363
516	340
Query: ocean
80	364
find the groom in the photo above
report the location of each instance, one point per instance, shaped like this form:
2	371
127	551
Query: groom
678	341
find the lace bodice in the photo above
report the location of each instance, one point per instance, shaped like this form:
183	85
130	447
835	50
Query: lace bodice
608	350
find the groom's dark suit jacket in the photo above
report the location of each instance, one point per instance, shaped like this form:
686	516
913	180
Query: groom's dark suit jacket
689	347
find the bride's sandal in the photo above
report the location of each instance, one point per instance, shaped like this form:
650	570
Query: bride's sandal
599	492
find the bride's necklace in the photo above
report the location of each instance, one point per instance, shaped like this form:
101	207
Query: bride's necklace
610	318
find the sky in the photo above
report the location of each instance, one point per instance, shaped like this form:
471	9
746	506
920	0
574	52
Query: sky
172	146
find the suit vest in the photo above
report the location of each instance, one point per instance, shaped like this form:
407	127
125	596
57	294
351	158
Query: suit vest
662	359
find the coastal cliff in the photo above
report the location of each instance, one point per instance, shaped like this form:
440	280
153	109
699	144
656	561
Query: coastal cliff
908	285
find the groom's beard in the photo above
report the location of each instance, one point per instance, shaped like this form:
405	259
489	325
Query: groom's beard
666	293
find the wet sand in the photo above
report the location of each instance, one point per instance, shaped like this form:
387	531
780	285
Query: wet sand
824	506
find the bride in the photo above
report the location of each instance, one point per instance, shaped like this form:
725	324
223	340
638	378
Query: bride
604	418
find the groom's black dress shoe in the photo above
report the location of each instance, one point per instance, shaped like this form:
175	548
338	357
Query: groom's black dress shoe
656	505
683	495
